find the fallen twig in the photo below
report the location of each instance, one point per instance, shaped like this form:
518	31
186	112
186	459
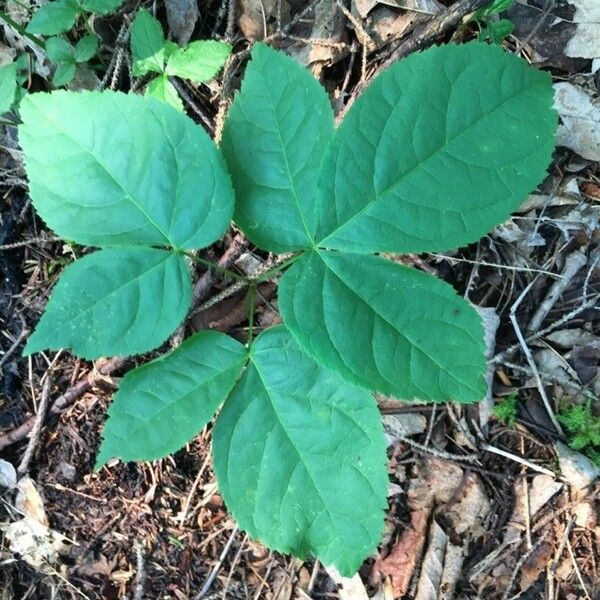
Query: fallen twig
75	391
573	263
36	428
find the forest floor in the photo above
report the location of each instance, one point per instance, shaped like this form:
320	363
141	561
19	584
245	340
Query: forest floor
486	501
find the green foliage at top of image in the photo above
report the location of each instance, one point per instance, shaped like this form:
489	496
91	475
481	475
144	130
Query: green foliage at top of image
439	149
58	16
198	61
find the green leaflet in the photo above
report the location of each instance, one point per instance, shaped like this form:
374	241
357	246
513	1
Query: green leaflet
59	50
160	87
116	301
64	73
86	48
440	148
300	456
163	404
384	326
100	7
109	169
274	139
8	86
199	61
67	57
147	44
54	17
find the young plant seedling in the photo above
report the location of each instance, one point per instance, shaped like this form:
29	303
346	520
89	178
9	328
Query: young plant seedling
12	76
199	61
583	429
67	57
493	28
440	148
59	16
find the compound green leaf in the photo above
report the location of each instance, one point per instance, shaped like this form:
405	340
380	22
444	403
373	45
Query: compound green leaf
160	87
385	326
64	73
59	50
300	457
54	17
118	301
147	44
274	139
199	61
163	404
100	7
86	48
8	86
440	148
108	169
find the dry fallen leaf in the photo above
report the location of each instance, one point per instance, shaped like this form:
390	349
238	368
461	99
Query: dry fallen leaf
36	544
580	116
577	469
585	41
432	567
400	563
349	588
182	16
29	502
8	475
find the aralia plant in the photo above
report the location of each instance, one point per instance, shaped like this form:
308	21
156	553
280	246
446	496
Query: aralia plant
440	148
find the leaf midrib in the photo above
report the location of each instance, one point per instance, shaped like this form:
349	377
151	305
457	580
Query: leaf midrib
292	187
395	328
419	165
296	450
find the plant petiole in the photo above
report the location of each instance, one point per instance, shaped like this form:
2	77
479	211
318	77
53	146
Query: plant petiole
21	30
251	309
212	265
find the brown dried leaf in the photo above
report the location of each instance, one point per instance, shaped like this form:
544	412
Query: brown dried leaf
536	562
400	563
182	16
430	577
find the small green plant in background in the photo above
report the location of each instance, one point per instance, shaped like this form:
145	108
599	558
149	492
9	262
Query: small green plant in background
199	61
439	149
583	429
492	28
12	78
506	410
58	16
67	57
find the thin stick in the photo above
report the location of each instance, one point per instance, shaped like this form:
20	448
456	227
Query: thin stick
520	564
215	570
518	459
577	571
197	110
573	263
74	392
203	285
420	38
529	357
186	505
14	346
140	577
36	429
